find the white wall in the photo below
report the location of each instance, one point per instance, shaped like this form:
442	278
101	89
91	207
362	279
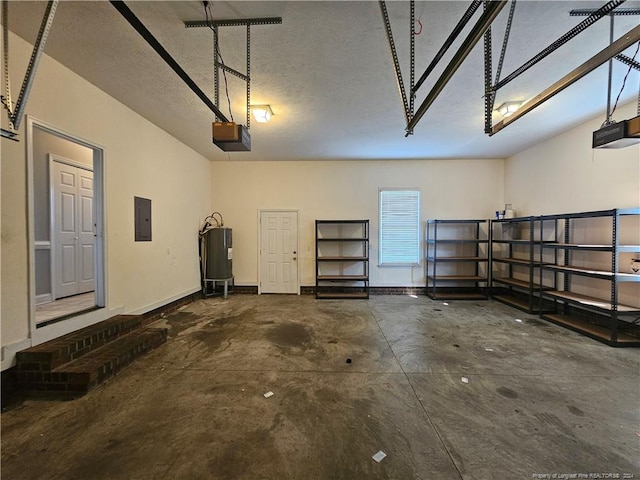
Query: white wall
140	160
343	190
564	174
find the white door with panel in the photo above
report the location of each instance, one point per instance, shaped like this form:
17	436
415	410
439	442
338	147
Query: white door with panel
72	230
279	252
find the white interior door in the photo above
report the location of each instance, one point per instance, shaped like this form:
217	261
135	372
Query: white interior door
279	252
72	230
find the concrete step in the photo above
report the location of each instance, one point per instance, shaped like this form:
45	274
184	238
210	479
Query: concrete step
79	376
50	355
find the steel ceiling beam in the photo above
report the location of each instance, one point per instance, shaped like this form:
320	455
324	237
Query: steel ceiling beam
581	27
448	42
624	42
38	50
585	12
160	50
240	22
8	134
474	36
394	58
628	61
230	70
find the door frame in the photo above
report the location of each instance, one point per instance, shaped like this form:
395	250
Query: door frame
100	218
52	240
278	210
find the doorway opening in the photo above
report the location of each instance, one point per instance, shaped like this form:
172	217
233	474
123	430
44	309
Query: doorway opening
66	225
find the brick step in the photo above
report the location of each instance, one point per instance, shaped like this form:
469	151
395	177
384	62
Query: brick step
50	355
85	373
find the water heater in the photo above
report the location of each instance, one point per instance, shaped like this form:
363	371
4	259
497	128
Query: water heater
219	254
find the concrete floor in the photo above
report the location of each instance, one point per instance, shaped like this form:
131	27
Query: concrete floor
539	399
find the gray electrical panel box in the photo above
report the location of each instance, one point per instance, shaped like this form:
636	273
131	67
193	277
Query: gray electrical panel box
219	254
142	218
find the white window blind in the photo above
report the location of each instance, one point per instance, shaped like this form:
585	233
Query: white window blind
399	226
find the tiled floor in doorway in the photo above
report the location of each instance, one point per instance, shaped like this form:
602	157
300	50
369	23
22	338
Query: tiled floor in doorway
64	306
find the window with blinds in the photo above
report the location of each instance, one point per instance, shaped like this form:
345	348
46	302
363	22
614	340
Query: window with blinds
399	226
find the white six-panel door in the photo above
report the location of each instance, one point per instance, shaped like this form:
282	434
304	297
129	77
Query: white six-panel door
278	252
72	230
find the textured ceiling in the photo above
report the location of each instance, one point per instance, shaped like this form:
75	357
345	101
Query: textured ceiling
328	75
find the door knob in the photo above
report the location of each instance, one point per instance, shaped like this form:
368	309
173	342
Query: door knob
294	259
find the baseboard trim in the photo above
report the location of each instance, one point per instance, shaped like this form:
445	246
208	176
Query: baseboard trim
169	307
9	352
245	289
397	290
44	298
311	290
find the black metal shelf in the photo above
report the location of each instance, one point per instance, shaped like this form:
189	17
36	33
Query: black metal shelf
599	318
441	221
592	273
337	239
335	278
352	235
457	259
342	259
597	332
524	284
458	278
517	261
456	242
520	285
453	247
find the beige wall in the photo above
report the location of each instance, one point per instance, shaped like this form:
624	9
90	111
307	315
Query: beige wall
564	174
346	189
140	160
14	297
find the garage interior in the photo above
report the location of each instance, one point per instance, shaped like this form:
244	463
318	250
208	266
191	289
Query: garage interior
484	325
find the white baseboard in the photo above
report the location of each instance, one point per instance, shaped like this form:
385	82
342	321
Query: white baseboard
44	298
9	352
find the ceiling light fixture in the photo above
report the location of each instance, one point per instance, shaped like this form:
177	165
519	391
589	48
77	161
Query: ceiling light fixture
507	108
261	113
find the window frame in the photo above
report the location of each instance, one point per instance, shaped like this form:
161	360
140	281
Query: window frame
382	223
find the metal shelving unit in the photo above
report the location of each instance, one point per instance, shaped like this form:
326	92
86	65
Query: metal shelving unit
342	258
457	259
516	261
590	278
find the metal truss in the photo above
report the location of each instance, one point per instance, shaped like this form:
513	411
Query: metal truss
16	112
624	42
628	61
217	63
613	51
491	11
408	113
483	28
241	22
